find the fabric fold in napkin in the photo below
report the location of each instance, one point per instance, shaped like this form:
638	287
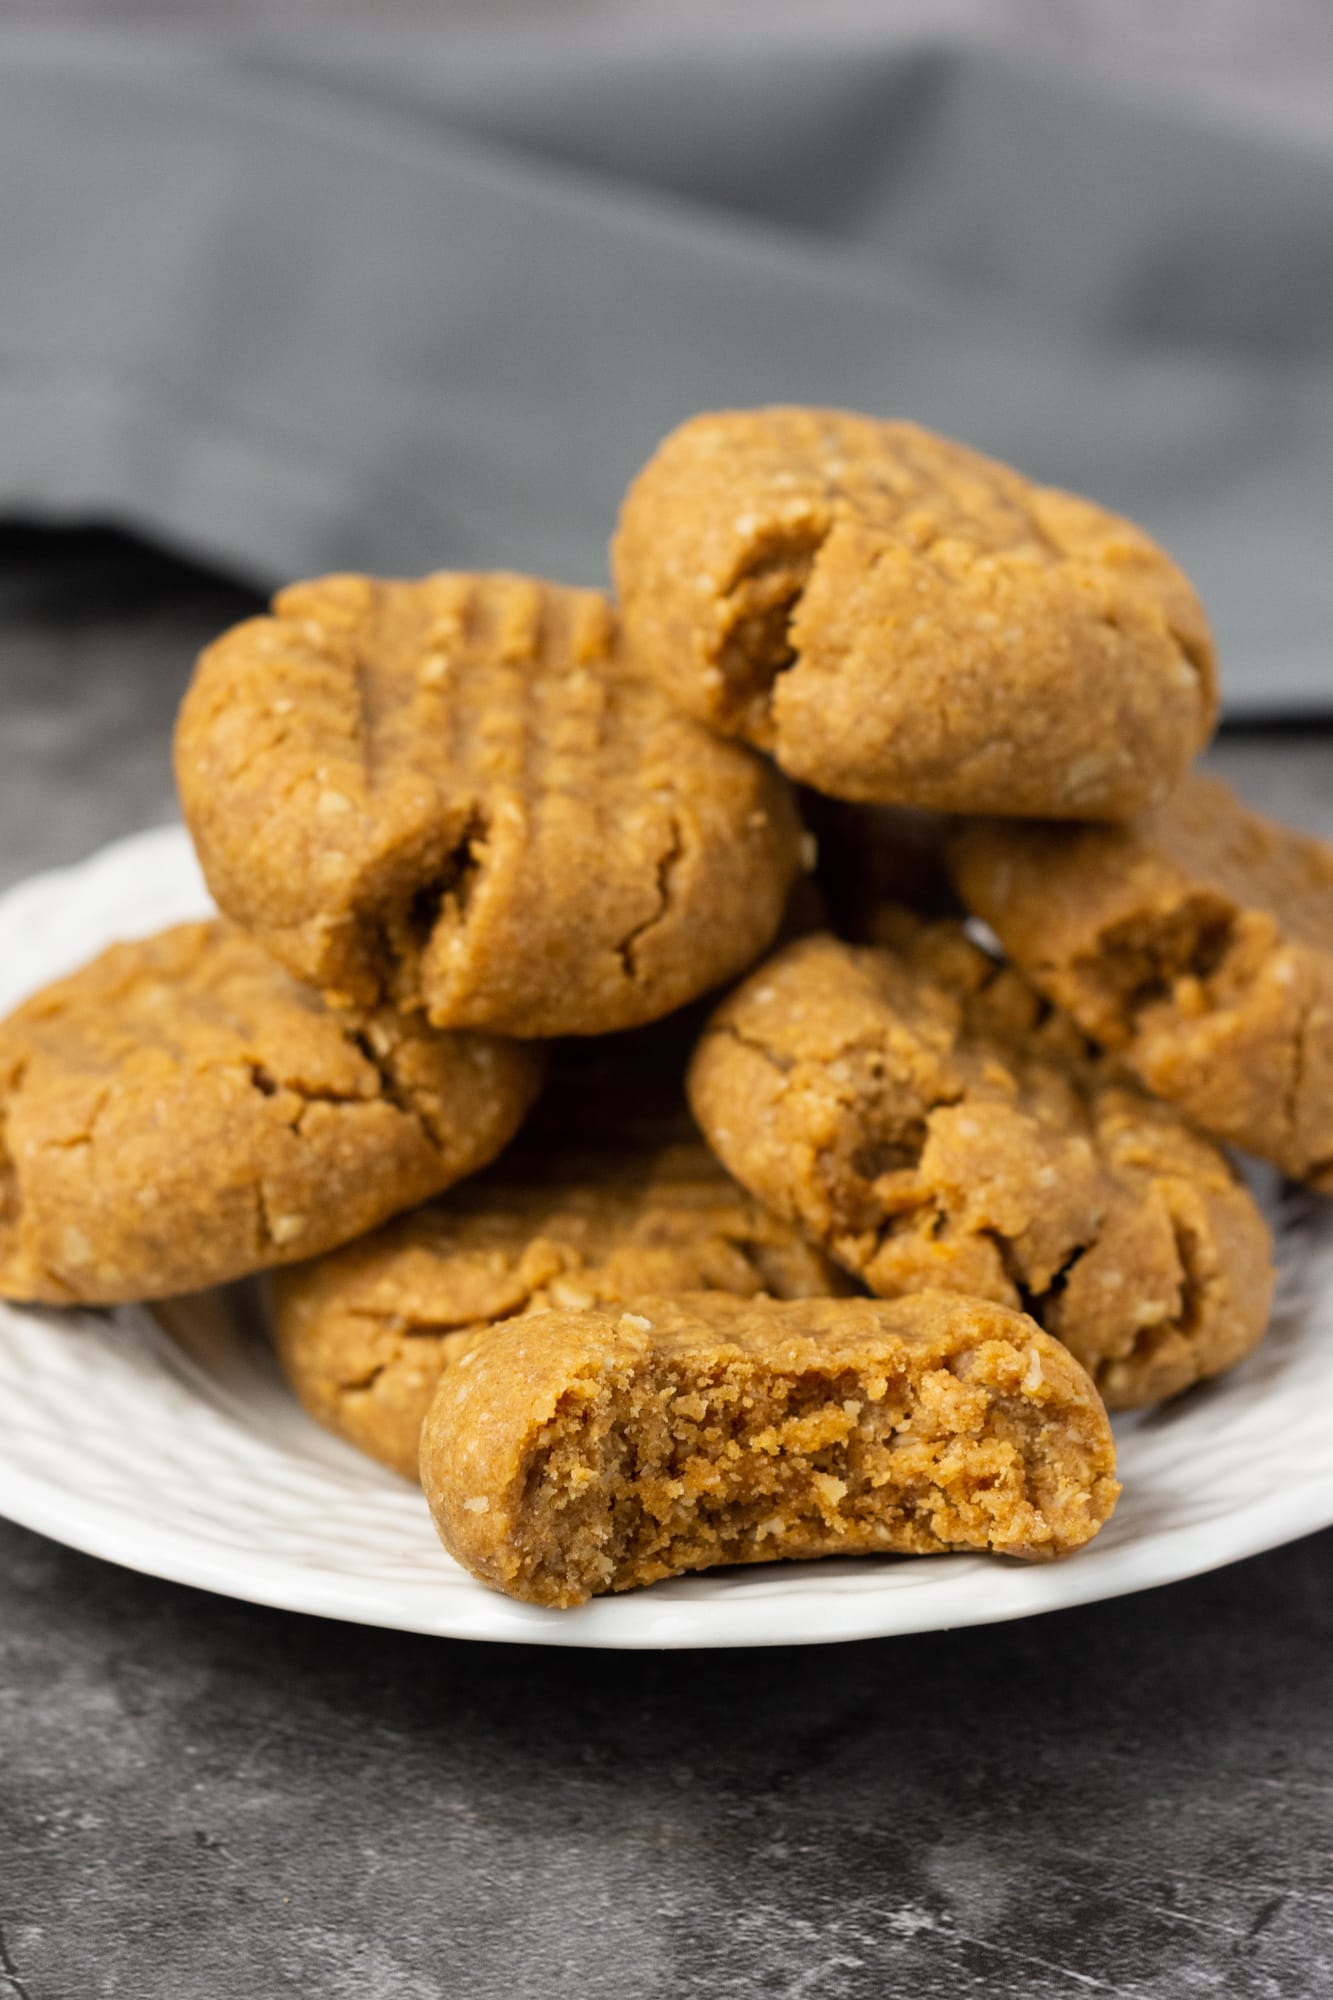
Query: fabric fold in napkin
408	303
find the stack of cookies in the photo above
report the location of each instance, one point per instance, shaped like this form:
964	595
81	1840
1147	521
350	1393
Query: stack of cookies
638	1282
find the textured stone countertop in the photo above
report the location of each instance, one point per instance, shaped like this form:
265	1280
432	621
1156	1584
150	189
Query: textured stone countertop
201	1800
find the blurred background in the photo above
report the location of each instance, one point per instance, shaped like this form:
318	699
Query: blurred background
1270	57
292	285
1267	58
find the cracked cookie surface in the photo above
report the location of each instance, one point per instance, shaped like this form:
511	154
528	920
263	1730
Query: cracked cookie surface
365	1334
1197	944
181	1112
932	1122
570	1454
452	795
901	620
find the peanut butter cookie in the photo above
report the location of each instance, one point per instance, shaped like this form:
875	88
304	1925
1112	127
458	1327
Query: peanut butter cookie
1197	944
573	1453
901	620
929	1119
365	1335
180	1112
453	795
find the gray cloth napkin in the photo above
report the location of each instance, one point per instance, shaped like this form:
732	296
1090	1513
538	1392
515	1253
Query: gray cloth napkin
408	303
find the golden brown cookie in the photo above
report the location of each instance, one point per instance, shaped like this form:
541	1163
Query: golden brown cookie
901	620
574	1453
453	795
1197	944
181	1112
365	1334
923	1114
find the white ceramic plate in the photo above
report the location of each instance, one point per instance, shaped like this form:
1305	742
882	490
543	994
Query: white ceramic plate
179	1452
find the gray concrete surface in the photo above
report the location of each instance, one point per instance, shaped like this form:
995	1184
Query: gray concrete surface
201	1801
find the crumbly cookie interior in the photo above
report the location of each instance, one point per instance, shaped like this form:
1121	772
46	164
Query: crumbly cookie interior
1186	953
684	1463
1195	942
756	642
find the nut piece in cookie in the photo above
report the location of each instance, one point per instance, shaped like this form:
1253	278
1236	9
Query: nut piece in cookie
180	1112
452	795
573	1453
1197	944
900	620
364	1335
920	1111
